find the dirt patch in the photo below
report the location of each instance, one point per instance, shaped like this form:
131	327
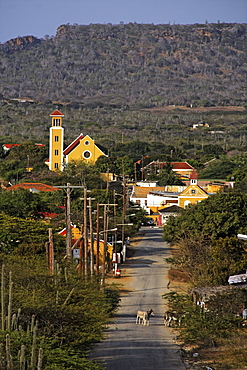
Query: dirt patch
198	109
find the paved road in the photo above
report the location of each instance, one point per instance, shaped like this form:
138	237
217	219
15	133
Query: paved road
129	346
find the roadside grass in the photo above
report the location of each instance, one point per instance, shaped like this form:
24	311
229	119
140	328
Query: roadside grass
224	353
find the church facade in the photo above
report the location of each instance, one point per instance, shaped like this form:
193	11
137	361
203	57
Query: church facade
82	148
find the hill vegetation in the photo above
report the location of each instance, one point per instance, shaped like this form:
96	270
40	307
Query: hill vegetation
141	65
129	82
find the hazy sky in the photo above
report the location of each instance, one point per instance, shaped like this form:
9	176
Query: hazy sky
42	17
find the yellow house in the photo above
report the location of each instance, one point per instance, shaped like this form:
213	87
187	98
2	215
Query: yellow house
76	234
193	194
82	148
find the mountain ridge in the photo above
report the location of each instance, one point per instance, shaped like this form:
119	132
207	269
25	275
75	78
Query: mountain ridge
131	64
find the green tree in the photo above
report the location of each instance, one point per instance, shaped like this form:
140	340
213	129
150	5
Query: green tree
166	177
25	204
218	170
206	235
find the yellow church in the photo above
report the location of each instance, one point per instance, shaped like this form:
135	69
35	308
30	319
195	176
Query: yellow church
82	148
193	194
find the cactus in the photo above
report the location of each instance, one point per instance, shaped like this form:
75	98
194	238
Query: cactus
22	357
8	354
69	295
14	322
2	299
2	362
66	275
10	301
33	355
40	359
32	323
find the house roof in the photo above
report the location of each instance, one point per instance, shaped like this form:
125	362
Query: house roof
237	279
9	146
186	192
73	145
193	175
33	186
141	192
56	113
170	209
48	214
175	165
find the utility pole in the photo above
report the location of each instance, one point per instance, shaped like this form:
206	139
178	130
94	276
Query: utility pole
51	252
97	240
68	188
105	241
105	231
91	238
85	233
68	223
115	234
124	209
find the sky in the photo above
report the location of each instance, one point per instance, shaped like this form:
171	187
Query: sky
42	17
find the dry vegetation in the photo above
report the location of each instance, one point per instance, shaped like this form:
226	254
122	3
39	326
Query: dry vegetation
230	354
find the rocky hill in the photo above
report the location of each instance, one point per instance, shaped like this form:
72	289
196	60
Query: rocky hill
139	65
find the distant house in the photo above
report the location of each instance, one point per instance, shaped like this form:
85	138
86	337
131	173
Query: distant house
165	213
76	235
182	169
7	147
155	199
34	187
238	280
139	195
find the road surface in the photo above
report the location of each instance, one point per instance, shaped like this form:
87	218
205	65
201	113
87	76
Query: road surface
129	346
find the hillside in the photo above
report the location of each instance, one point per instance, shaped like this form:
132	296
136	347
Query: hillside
141	65
129	82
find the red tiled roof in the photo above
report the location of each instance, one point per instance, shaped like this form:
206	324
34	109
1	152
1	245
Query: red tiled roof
9	146
193	175
48	214
33	185
73	144
175	165
56	113
39	144
181	166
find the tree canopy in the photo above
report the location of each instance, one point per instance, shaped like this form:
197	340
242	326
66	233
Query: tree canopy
207	237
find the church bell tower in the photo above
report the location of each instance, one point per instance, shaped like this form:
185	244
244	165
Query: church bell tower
56	141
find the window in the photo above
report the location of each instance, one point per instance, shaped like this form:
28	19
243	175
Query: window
56	138
87	142
56	165
56	151
186	203
56	121
193	191
86	154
